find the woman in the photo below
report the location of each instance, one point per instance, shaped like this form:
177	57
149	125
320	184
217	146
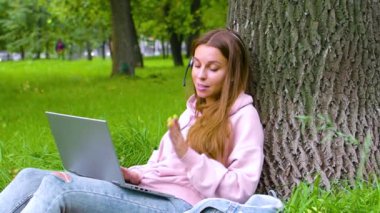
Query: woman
214	150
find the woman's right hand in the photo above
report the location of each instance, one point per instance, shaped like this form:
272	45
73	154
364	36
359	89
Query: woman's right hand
179	143
131	176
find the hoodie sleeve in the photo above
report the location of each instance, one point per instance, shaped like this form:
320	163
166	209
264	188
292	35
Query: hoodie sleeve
237	181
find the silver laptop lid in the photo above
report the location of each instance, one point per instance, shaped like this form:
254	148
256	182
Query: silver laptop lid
85	146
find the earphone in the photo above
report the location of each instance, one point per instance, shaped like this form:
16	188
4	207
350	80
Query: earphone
187	69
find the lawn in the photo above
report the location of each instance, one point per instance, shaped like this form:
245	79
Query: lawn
136	109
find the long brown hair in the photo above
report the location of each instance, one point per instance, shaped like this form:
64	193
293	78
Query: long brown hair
211	134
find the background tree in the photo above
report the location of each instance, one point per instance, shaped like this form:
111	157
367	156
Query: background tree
196	24
86	28
150	22
124	38
41	34
24	27
178	21
4	7
316	84
206	15
213	14
33	26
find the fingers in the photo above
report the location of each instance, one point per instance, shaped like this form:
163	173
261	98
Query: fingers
125	174
171	120
63	176
179	144
175	132
174	126
131	176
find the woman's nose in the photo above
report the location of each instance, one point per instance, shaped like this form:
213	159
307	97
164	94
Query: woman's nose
202	73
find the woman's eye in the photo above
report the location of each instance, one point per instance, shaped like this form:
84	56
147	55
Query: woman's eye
214	69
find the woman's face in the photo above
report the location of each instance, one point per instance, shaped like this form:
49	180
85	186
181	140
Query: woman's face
209	72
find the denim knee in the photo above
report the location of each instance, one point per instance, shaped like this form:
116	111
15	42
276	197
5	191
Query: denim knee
49	195
51	186
18	193
28	172
52	181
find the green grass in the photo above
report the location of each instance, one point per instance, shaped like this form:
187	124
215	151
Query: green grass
136	110
343	197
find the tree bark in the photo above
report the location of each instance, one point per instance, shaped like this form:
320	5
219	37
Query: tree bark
125	50
175	46
316	83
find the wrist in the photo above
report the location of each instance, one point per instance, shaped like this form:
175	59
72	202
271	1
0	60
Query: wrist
183	152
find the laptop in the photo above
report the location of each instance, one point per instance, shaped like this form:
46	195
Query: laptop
86	149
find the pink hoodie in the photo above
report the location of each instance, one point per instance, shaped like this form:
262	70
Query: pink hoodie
195	176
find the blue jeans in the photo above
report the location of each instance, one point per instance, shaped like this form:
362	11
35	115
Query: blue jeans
35	190
257	203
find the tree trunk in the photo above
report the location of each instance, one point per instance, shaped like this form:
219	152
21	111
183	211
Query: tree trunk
9	57
133	39
195	25
175	46
37	55
125	50
164	49
70	52
22	53
89	51
316	83
103	49
175	40
47	46
110	46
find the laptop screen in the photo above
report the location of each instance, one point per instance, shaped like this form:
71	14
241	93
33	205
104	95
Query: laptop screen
85	146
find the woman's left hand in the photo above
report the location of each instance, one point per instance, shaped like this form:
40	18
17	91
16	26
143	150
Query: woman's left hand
131	176
179	143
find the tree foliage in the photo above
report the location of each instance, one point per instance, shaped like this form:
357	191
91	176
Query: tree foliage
33	26
4	7
175	21
155	17
151	19
26	26
213	14
87	21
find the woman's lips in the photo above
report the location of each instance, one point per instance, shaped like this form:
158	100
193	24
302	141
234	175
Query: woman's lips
202	87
